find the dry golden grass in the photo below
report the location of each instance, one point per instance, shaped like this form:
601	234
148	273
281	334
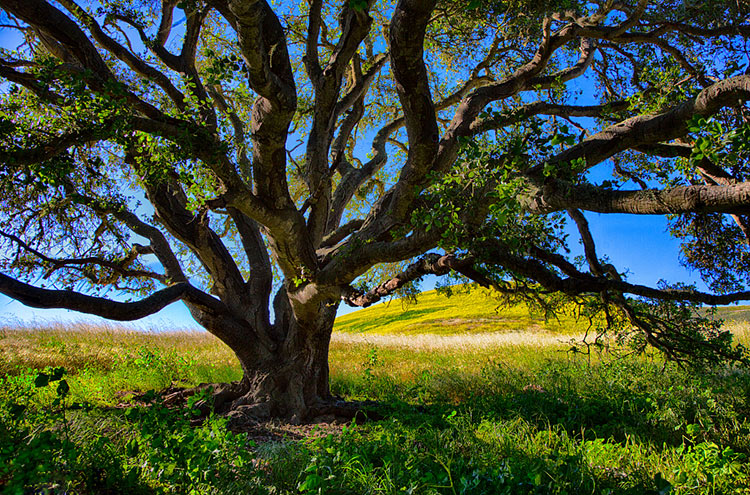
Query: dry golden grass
104	349
740	330
101	346
462	342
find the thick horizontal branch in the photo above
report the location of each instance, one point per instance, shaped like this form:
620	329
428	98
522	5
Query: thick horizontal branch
114	310
652	129
555	195
55	146
545	108
30	82
495	253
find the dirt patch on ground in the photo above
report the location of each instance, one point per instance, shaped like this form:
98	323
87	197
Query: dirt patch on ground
278	431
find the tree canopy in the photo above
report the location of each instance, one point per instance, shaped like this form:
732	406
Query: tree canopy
220	151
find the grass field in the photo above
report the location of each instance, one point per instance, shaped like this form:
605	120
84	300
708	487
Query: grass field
511	410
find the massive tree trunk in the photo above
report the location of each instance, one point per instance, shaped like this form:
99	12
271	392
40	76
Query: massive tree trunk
288	379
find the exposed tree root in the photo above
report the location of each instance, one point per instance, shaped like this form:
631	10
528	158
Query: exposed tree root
233	400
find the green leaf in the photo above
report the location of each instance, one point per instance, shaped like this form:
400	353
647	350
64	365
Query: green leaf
132	448
358	4
41	380
312	481
57	374
63	388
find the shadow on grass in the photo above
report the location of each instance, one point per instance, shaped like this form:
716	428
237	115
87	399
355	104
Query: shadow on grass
619	402
433	449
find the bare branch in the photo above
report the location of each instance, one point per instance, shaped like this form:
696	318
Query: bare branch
159	244
120	268
588	49
652	129
341	233
113	310
362	85
588	242
312	63
264	50
555	195
123	54
165	24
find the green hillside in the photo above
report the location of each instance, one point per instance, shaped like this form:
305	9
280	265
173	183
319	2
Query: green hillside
475	312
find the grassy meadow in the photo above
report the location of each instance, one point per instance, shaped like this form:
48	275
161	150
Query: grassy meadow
475	400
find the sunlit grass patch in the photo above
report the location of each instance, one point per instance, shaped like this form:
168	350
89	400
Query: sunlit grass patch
105	361
81	345
740	331
734	314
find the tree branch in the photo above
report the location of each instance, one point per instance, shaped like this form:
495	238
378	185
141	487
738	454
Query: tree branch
113	47
113	310
406	44
588	242
521	113
341	233
652	129
58	263
429	264
556	195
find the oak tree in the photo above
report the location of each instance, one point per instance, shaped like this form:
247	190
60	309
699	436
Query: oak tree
263	162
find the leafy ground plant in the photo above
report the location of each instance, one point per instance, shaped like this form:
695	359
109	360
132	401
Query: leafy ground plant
51	445
490	415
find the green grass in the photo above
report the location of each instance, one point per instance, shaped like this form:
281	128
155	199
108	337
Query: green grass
466	412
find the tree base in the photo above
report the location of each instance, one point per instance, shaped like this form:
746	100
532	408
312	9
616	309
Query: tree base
234	400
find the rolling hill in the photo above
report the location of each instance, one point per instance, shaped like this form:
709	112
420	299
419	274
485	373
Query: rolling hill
474	312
